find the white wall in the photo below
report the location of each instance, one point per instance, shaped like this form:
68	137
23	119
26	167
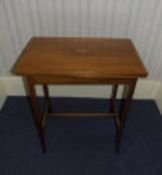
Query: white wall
136	19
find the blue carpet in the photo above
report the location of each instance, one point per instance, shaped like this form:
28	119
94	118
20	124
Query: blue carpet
80	146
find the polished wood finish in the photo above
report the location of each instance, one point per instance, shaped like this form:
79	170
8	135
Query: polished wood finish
81	58
80	61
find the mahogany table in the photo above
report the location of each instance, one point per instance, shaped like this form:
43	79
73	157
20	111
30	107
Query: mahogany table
86	61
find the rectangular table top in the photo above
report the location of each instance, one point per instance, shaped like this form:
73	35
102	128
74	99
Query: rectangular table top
82	57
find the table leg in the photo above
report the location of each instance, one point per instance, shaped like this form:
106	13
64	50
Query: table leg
113	97
36	111
47	98
125	109
117	120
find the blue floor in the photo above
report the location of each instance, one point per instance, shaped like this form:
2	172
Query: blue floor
80	146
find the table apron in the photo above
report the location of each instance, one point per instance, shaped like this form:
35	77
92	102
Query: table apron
83	81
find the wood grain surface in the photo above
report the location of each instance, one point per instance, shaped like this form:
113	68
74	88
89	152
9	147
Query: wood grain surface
81	58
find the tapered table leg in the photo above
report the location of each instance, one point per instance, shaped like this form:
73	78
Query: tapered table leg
47	98
125	109
113	97
113	108
127	103
36	111
48	107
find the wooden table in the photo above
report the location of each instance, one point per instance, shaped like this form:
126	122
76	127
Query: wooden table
83	61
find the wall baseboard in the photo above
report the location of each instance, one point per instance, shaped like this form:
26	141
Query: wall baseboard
3	95
159	98
146	89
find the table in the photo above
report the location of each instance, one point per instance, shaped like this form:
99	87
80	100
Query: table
86	61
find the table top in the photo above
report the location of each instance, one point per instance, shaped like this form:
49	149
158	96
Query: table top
81	57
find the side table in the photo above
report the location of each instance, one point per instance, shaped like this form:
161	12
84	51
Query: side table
85	61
